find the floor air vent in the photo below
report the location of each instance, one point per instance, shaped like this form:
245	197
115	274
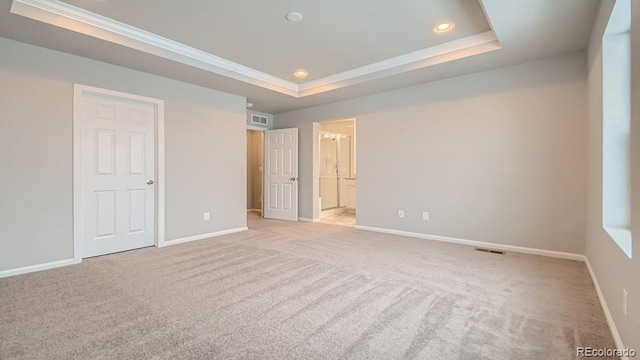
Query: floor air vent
490	251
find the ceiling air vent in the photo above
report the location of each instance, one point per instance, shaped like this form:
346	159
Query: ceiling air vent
259	120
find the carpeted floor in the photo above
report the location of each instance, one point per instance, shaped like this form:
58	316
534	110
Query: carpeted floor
303	291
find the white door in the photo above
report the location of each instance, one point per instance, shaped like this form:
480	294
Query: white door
281	174
117	169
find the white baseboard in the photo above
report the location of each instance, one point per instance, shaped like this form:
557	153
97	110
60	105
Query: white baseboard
308	220
204	236
56	264
605	308
254	210
39	267
557	254
520	249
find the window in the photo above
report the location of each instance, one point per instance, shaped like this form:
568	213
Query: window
616	126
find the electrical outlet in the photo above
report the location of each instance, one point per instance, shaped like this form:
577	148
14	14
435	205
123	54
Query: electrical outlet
206	216
425	215
401	214
624	301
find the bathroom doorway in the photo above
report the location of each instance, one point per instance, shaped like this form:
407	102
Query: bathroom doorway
337	142
255	156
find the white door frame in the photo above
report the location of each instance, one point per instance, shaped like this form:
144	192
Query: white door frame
261	129
315	188
78	92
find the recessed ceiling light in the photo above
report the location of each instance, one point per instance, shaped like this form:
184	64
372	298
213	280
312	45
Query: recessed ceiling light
444	27
300	73
249	105
294	16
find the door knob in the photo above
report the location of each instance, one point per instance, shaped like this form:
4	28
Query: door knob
293	179
150	182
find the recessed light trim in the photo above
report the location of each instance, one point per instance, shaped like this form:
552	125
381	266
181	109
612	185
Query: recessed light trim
300	73
294	16
443	27
59	13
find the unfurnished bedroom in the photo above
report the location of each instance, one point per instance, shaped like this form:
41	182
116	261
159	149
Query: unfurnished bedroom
297	179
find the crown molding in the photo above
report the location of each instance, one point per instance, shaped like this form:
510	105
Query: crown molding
76	19
453	50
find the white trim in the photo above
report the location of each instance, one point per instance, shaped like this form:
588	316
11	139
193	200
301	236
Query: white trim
76	184
557	254
622	237
254	210
486	15
160	172
307	220
39	267
204	236
78	91
453	50
79	20
605	308
257	128
82	21
519	249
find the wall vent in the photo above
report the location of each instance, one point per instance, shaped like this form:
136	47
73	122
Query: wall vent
259	120
489	251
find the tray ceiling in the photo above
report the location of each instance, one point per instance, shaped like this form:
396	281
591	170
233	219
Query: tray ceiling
349	47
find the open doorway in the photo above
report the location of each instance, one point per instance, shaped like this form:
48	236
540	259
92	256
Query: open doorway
255	156
337	151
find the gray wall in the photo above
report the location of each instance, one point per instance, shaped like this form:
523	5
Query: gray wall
497	156
204	144
613	269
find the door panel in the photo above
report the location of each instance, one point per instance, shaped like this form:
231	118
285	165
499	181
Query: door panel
137	216
105	151
281	174
106	214
117	153
287	190
272	196
287	166
136	153
272	161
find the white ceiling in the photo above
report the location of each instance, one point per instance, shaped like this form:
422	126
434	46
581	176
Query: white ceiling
334	36
350	47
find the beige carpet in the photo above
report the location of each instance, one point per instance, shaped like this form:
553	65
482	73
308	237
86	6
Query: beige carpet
303	291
